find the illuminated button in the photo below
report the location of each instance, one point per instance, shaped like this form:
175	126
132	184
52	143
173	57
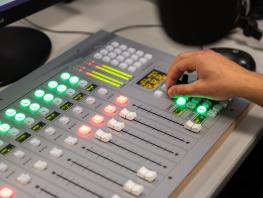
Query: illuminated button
43	111
34	107
83	83
4	128
110	110
106	59
52	84
24	179
39	93
6	192
78	110
14	132
129	61
103	136
137	64
90	100
131	50
65	76
97	120
71	141
29	121
104	52
57	101
10	113
84	131
35	142
158	93
19	154
146	174
181	101
132	69
50	131
202	109
55	152
70	92
123	66
191	105
122	100
40	165
25	102
114	124
48	97
3	167
109	48
98	56
125	113
62	88
115	44
102	91
64	120
140	53
133	188
74	80
19	117
196	100
148	56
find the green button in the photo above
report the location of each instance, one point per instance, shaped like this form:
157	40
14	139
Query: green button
34	107
62	88
181	101
10	113
25	102
19	117
39	93
74	80
65	76
4	128
52	84
202	109
48	97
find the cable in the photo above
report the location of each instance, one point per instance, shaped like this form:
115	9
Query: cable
57	31
136	26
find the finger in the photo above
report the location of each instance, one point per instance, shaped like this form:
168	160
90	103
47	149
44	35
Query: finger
188	89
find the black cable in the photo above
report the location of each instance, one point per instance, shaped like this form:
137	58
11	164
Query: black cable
57	31
135	26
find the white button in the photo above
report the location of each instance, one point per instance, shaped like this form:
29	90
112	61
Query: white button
55	152
102	91
14	132
106	59
123	66
131	50
132	69
3	167
129	61
29	121
19	154
115	44
70	92
24	179
78	110
123	47
35	142
134	57
112	55
64	120
104	52
83	83
114	124
137	64
118	51
188	125
114	62
126	54
43	111
98	56
115	196
158	93
146	174
143	60
90	100
120	58
196	128
50	131
133	188
40	165
109	48
164	87
57	101
140	53
71	141
148	56
103	136
129	115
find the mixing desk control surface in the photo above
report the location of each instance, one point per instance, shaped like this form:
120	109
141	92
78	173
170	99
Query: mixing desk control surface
96	122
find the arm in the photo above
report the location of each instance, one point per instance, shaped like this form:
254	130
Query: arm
218	77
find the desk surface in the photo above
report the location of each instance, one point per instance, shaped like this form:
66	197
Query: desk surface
94	15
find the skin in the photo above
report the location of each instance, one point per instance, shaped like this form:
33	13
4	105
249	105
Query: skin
218	78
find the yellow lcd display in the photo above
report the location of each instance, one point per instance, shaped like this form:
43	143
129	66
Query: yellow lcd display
152	79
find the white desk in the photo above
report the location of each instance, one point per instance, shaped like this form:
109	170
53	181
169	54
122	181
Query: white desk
92	15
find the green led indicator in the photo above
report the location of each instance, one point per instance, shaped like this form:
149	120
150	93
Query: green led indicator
52	84
74	80
4	128
25	102
65	76
48	97
19	117
39	93
202	109
181	101
34	107
62	88
10	113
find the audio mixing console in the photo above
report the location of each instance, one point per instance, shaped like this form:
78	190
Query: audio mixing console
96	122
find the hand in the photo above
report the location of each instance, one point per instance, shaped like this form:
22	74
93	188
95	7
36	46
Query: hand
218	77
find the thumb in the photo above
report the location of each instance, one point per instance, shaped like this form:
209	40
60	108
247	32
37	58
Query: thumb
191	89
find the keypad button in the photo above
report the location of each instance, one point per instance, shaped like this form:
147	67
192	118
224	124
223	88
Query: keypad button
19	154
102	91
55	152
50	131
43	111
98	56
131	50
90	100
132	69
64	120
106	59
123	66
3	167
148	56
112	55
120	58
24	179
115	44
71	141
134	57
114	62
40	165
14	132
104	52
126	54
29	121
35	142
118	51
83	83
78	110
140	53
70	92
129	61
137	64
123	47
143	60
57	101
158	93
109	48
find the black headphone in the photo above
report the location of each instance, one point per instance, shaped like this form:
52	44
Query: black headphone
200	22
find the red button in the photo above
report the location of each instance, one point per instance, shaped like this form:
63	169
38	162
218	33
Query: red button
97	120
6	192
110	110
122	100
84	131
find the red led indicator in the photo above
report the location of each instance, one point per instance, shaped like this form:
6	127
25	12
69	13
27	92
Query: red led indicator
122	100
97	120
84	131
110	110
6	192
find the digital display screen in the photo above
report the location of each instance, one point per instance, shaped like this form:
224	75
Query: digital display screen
7	4
152	79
